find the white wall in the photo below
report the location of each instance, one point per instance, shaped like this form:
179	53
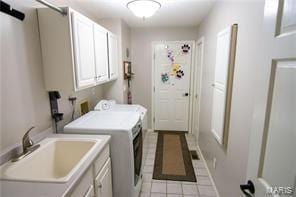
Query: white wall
231	165
24	101
126	44
142	58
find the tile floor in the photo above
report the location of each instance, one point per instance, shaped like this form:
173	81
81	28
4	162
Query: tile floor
161	188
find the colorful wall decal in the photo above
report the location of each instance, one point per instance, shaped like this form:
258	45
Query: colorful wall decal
175	69
171	56
185	48
165	77
180	74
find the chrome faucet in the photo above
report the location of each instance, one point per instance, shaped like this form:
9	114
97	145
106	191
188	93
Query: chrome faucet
28	146
27	141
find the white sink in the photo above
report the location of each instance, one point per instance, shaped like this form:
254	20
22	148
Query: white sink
56	160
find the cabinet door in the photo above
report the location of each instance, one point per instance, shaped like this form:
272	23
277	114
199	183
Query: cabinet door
103	182
83	35
101	53
84	187
90	192
113	55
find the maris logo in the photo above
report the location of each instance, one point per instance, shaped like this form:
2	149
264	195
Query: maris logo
280	191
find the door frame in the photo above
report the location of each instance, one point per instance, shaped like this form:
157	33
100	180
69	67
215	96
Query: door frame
191	86
197	80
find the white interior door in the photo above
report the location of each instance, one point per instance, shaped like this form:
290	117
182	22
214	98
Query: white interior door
197	86
101	53
84	51
172	69
220	83
272	158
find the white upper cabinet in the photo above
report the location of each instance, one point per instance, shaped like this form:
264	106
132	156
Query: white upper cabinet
101	53
76	52
113	56
84	51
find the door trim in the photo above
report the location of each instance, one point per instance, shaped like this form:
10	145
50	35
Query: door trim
199	76
191	89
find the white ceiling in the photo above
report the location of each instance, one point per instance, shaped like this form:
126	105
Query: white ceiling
171	13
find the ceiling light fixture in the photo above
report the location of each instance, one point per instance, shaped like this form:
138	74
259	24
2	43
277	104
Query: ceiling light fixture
143	8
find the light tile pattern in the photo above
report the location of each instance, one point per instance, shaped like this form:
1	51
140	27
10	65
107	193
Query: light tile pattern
161	188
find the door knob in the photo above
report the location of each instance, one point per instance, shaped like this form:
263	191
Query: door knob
186	94
248	189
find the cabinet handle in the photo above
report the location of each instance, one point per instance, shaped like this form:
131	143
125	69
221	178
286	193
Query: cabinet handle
100	185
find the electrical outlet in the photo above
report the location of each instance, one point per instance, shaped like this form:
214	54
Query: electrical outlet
214	162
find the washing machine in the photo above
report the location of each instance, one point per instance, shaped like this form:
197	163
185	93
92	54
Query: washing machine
111	105
126	146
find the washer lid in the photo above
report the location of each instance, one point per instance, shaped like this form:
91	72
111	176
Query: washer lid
123	108
105	120
129	108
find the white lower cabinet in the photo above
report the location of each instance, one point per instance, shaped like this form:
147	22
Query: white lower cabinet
83	188
97	180
90	192
103	181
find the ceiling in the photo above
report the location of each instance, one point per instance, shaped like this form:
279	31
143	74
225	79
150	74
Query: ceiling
172	12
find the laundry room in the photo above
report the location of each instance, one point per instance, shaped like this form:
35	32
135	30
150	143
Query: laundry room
147	98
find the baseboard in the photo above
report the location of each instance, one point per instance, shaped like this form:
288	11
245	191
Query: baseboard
207	168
